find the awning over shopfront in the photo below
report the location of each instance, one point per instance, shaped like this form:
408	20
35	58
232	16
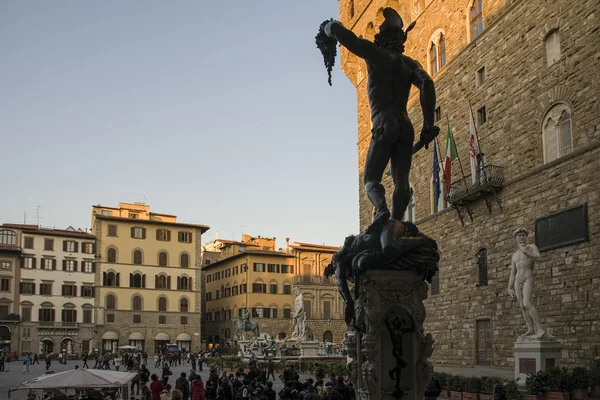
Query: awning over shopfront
184	337
110	335
136	336
162	336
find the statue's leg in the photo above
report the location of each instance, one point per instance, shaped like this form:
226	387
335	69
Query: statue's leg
401	160
530	308
528	320
377	159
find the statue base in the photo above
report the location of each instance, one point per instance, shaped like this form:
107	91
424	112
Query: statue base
533	355
387	355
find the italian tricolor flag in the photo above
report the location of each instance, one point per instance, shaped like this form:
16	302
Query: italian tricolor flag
451	154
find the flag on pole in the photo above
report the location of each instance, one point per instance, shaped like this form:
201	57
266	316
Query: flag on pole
473	147
451	154
436	174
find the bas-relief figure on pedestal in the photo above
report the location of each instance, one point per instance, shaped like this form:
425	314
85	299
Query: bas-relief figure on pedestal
521	284
390	261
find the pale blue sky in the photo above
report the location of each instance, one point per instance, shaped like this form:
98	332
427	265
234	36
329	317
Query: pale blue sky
218	112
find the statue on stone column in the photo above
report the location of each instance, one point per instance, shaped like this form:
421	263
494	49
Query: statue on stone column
520	284
299	316
391	76
397	327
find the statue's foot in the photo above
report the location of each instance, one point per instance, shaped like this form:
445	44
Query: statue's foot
527	334
380	218
541	333
392	374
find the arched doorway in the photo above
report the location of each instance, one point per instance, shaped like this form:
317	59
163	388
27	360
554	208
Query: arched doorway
4	339
47	345
66	345
328	337
161	340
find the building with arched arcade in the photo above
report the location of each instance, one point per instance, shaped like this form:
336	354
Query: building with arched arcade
148	280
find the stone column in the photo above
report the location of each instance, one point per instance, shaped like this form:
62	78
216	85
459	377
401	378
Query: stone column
387	356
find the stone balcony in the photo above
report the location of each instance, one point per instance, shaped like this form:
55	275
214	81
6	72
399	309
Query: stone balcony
490	180
313	280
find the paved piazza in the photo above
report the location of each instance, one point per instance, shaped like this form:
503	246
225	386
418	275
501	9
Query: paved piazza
16	376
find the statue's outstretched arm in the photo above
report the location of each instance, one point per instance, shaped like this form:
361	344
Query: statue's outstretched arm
360	47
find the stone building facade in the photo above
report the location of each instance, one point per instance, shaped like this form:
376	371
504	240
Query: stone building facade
251	274
528	70
147	279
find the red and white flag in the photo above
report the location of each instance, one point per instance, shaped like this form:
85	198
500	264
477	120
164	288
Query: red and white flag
473	147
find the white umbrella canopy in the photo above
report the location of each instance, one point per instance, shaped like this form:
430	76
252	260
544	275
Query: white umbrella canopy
78	379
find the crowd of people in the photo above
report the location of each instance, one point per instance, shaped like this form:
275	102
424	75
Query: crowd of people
253	383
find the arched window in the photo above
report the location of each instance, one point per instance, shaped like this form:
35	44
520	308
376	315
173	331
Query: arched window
328	337
183	305
111	255
442	51
183	283
162	259
111	302
557	136
136	303
184	260
162	304
162	282
476	18
8	237
136	281
433	59
110	279
137	257
552	47
410	213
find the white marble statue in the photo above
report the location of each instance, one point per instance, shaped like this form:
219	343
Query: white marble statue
92	345
299	316
70	348
520	285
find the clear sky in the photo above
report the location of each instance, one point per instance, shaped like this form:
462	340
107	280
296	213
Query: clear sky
218	112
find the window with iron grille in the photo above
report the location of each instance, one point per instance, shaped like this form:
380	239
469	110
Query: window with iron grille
110	317
162	319
183	320
137	319
435	284
482	264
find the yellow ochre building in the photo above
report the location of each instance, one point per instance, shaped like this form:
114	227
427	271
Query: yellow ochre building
251	274
148	278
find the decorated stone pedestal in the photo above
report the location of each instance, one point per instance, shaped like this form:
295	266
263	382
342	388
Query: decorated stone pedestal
533	355
388	354
309	349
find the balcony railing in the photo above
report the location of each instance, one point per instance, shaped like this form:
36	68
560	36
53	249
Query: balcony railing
313	280
489	180
53	324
